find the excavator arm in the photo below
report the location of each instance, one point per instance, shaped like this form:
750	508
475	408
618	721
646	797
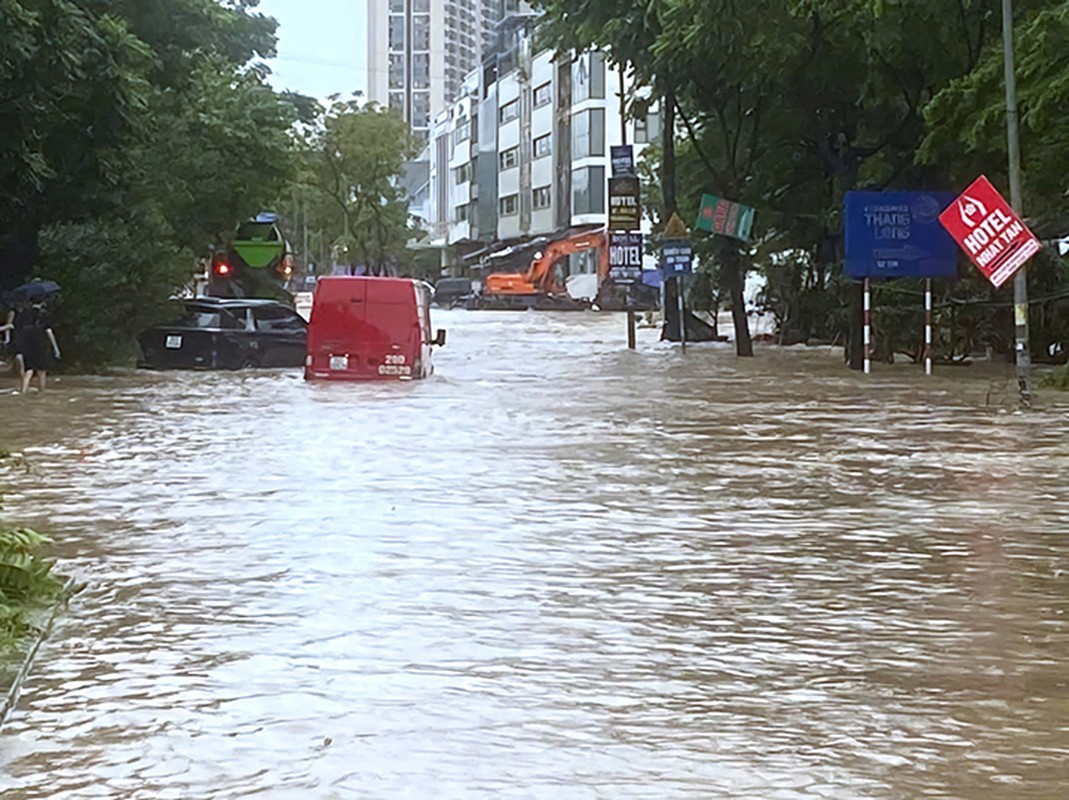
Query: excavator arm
541	277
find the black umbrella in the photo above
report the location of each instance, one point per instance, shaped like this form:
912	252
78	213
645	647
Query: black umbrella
35	290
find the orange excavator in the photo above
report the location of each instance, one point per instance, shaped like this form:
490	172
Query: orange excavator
541	279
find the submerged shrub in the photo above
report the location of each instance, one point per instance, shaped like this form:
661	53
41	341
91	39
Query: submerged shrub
1057	379
27	585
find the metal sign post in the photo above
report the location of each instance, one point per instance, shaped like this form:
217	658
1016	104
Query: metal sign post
927	326
867	313
682	320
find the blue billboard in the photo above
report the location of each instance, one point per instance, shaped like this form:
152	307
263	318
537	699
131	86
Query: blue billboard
898	235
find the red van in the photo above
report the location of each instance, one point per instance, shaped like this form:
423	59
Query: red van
370	328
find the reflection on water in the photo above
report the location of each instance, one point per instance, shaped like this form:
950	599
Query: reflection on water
557	569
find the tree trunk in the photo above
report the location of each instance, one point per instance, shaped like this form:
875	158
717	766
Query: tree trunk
731	266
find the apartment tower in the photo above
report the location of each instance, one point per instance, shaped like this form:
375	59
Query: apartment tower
420	50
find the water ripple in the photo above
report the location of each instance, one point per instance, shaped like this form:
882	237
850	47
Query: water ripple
557	569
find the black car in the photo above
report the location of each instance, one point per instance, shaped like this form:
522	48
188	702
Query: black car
452	292
225	333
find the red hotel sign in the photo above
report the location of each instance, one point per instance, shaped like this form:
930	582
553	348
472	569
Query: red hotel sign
987	229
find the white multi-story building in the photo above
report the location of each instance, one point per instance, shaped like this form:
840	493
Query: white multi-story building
420	50
521	156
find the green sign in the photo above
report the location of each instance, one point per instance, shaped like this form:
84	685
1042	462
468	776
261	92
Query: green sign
724	217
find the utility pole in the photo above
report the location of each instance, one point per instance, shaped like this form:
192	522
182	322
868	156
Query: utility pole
623	140
1013	146
304	220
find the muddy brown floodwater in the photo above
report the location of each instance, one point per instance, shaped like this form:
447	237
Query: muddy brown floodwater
556	569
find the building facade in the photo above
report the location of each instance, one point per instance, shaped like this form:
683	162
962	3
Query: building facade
521	156
419	52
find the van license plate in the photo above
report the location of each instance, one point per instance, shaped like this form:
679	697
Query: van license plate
339	362
173	342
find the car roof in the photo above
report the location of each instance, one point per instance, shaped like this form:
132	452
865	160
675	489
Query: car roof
233	302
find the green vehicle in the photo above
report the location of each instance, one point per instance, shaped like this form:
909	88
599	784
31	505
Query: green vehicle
257	264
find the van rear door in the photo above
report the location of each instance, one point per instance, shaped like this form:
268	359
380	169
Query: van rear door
393	330
337	314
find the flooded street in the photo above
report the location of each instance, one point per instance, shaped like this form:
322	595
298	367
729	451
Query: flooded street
555	569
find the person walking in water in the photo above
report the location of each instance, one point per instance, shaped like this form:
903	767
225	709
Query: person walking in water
35	345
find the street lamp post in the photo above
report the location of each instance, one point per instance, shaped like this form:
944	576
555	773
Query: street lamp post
1013	146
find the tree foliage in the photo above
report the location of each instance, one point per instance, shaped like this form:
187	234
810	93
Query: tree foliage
133	136
786	106
353	159
27	586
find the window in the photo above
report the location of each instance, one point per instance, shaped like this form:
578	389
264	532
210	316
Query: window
543	95
588	190
588	133
421	71
462	132
509	158
421	109
421	32
588	77
464	213
648	129
397	101
421	6
397	6
543	196
202	318
508	205
509	111
397	33
277	319
462	174
397	71
543	146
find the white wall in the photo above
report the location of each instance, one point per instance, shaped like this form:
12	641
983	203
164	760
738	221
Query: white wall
542	170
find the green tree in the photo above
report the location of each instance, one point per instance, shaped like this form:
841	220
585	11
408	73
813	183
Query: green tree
354	158
139	172
72	88
787	106
966	129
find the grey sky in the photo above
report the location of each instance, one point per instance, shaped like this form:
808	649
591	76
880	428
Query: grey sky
322	47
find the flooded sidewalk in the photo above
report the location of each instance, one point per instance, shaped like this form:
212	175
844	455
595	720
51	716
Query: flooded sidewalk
555	569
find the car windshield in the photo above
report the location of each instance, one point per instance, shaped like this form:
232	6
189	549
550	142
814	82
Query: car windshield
453	285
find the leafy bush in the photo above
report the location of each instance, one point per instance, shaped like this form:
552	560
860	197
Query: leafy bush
116	277
26	585
1056	379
